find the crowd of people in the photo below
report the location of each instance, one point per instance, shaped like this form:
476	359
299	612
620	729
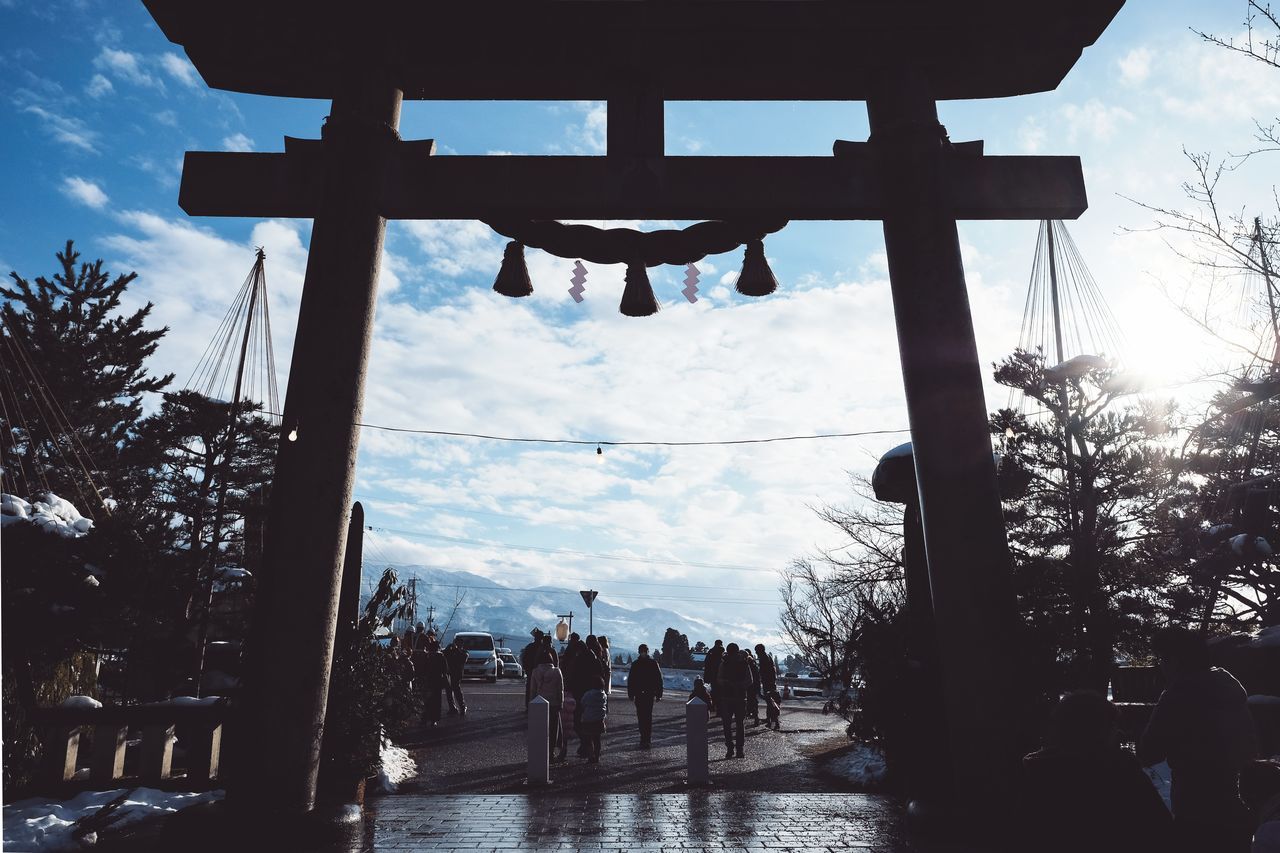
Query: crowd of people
1083	791
577	684
434	672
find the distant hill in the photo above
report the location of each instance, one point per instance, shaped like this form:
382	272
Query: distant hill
493	607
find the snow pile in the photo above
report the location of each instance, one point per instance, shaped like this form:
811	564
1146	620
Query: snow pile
397	767
1245	545
40	824
47	511
1267	638
230	577
190	701
864	765
81	702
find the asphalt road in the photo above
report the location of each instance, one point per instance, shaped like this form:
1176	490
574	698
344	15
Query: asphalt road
484	752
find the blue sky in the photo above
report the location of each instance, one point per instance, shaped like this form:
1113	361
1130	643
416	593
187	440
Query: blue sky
98	109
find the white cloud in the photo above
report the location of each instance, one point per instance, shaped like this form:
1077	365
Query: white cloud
99	86
180	69
1093	119
169	118
589	134
68	131
237	142
1031	136
85	192
126	66
1135	66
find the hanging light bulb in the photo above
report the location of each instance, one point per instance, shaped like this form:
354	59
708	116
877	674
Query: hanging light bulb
637	297
513	275
599	454
756	279
293	434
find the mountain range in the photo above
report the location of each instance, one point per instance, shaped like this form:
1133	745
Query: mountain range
464	601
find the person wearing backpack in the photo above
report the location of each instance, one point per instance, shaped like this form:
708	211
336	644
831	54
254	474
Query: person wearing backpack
733	683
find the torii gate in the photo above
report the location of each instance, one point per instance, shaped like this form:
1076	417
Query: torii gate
367	57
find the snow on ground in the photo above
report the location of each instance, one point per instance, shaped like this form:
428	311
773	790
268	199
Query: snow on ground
672	679
864	765
45	825
397	767
1161	777
1267	638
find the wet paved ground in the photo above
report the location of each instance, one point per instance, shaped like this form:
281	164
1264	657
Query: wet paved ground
730	821
484	752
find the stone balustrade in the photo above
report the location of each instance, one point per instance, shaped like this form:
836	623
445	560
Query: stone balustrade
109	729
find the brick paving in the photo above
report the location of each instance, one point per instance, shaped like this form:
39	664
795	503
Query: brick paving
698	820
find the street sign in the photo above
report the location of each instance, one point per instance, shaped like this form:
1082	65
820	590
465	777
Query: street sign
588	595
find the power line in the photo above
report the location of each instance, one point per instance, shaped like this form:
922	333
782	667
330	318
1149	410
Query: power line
568	552
586	442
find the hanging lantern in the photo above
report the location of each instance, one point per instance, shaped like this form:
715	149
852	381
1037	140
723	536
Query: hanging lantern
513	275
562	631
756	279
637	297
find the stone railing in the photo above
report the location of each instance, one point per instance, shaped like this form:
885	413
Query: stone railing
112	762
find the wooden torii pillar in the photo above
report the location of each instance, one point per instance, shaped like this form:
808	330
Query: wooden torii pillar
634	55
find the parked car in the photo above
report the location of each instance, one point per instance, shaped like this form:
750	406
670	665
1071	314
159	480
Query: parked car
511	667
482	655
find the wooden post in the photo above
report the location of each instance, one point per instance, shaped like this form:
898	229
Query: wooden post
204	755
964	535
156	763
349	604
107	764
61	749
296	612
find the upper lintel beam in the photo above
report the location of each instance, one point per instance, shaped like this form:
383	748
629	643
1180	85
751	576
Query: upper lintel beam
681	188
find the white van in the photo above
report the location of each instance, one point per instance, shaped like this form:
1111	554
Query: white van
482	655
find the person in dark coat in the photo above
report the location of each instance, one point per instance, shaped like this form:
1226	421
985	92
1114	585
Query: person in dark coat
644	687
1083	792
548	648
593	716
456	657
583	672
769	688
530	656
711	669
1203	728
700	693
731	697
753	693
431	675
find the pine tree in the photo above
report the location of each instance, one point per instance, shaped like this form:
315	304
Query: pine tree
184	455
1094	532
67	330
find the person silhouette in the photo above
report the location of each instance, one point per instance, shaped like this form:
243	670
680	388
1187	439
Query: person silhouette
1202	727
1081	791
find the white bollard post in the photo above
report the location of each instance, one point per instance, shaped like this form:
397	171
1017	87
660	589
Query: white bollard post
695	729
539	756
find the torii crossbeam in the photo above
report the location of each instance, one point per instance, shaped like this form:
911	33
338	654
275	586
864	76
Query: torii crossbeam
366	57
